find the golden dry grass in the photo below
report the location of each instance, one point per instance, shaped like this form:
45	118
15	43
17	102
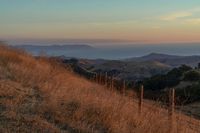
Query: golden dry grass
38	95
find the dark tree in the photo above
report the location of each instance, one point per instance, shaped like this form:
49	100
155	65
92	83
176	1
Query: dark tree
172	78
199	66
192	76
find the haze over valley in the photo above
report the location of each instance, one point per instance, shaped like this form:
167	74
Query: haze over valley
103	50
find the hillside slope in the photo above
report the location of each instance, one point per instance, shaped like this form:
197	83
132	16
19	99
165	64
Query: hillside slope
171	60
132	70
39	95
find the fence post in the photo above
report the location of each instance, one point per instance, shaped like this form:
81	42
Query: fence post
111	83
124	87
93	77
171	109
96	77
106	78
100	77
141	95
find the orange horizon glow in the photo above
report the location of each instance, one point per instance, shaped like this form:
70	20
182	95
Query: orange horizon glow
126	20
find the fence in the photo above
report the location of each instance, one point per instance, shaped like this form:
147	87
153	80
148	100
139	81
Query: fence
174	117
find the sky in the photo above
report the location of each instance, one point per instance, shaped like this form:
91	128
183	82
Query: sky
125	20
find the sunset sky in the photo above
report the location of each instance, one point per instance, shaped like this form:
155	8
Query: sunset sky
132	20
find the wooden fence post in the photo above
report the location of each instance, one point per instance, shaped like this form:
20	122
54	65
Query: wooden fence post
96	77
171	109
141	95
124	88
106	78
108	82
100	77
97	80
112	82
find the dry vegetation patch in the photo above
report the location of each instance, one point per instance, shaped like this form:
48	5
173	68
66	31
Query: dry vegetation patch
38	95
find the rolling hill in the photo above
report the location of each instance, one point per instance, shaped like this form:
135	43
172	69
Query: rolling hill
40	95
170	60
138	68
129	70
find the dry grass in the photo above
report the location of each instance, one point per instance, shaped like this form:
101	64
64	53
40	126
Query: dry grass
38	95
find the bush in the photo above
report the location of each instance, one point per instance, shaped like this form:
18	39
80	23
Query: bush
172	78
188	94
192	76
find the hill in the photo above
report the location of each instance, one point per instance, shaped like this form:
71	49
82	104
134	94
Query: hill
131	70
138	68
171	60
41	95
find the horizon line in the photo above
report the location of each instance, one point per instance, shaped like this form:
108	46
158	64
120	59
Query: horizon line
96	40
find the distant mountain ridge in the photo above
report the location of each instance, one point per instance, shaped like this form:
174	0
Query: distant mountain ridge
171	60
138	68
157	56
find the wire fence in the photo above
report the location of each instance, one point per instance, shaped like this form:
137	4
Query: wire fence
175	117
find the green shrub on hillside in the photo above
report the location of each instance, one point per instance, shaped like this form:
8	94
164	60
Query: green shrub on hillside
172	78
192	75
188	94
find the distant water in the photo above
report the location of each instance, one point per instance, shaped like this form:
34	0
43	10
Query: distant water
117	50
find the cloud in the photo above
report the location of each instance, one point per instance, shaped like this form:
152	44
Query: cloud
197	9
176	15
193	21
183	15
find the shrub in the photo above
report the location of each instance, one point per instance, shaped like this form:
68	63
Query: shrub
172	78
188	94
192	76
